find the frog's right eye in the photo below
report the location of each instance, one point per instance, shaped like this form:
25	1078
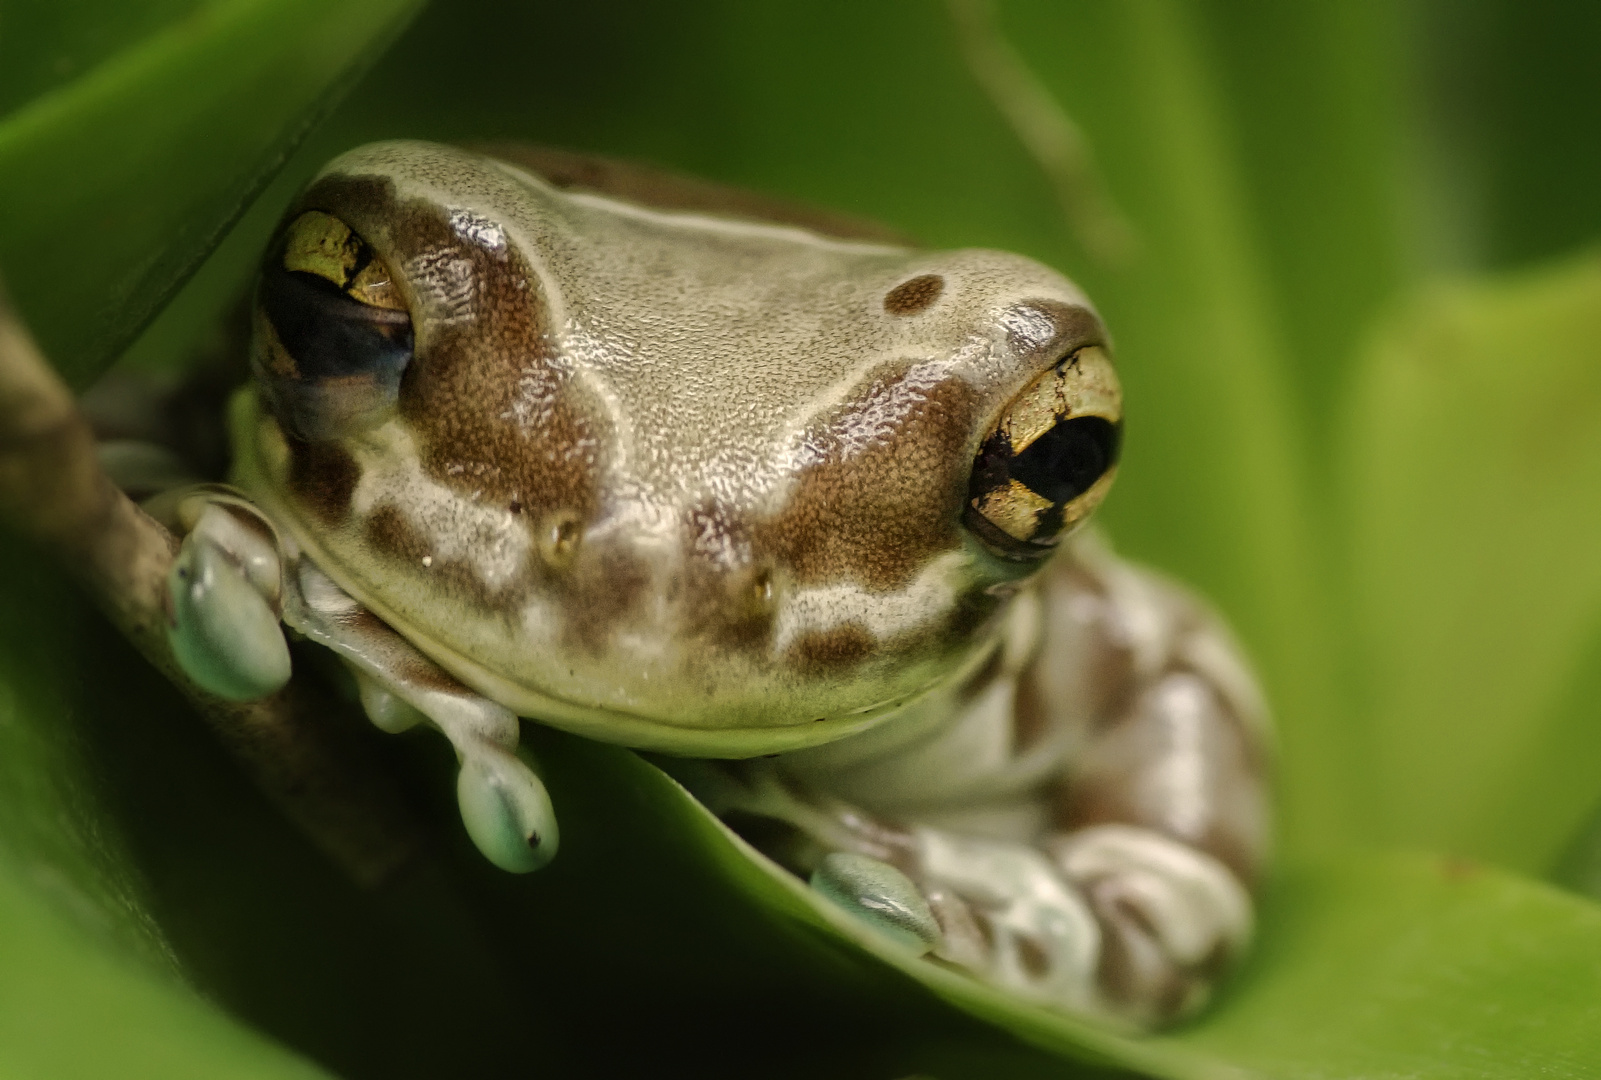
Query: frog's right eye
333	334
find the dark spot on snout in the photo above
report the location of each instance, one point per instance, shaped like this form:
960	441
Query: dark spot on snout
910	297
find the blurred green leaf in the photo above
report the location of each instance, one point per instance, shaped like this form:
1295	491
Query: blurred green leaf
1317	94
1509	96
131	171
1216	484
1472	457
69	1009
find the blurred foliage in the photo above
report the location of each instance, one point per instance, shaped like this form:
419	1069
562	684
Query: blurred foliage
1388	482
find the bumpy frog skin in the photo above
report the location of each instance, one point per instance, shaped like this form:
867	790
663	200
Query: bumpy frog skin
545	437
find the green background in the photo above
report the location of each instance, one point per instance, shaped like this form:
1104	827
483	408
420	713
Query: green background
1361	341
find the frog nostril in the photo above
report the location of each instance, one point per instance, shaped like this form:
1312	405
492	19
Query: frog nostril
559	535
761	593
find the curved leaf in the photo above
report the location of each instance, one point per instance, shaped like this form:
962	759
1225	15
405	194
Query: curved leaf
1473	468
119	182
1392	965
68	1009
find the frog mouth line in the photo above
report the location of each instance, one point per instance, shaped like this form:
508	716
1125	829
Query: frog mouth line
603	723
639	732
608	724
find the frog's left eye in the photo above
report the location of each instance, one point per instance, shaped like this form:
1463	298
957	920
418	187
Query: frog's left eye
333	333
1049	459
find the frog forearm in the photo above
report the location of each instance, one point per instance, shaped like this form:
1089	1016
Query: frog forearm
1163	807
1178	764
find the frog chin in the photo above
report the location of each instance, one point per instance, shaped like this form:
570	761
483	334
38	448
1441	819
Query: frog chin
666	732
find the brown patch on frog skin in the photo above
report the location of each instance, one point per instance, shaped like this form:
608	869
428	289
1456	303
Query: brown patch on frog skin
822	652
388	531
493	410
914	295
728	599
1031	714
599	590
981	679
323	476
1036	961
494	416
724	608
1064	328
881	515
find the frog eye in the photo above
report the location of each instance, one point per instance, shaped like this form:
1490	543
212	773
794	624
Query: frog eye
1049	459
333	334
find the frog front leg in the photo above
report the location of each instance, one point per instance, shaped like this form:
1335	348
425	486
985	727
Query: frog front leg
233	580
1086	821
504	805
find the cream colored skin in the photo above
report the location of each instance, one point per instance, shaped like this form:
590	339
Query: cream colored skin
690	483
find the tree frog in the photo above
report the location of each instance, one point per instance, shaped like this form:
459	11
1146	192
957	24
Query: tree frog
663	464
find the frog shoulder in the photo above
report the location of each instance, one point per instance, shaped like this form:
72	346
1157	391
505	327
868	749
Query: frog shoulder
663	189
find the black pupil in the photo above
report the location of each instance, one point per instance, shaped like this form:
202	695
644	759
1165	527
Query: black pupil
1065	462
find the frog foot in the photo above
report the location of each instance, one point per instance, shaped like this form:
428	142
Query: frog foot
506	810
504	804
224	625
1172	917
1009	914
1112	919
881	896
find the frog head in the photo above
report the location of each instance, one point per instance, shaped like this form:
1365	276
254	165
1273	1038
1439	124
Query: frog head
676	479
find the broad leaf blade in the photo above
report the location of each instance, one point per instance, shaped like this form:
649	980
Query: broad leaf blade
1377	966
120	181
1473	469
1414	966
69	1008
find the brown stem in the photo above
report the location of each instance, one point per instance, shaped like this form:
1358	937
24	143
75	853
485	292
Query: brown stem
53	491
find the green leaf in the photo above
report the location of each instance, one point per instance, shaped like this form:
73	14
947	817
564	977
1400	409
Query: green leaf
1325	208
1472	459
1375	966
131	172
1414	966
68	1008
1510	97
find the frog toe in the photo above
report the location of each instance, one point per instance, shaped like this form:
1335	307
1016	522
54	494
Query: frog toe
223	633
880	895
507	811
